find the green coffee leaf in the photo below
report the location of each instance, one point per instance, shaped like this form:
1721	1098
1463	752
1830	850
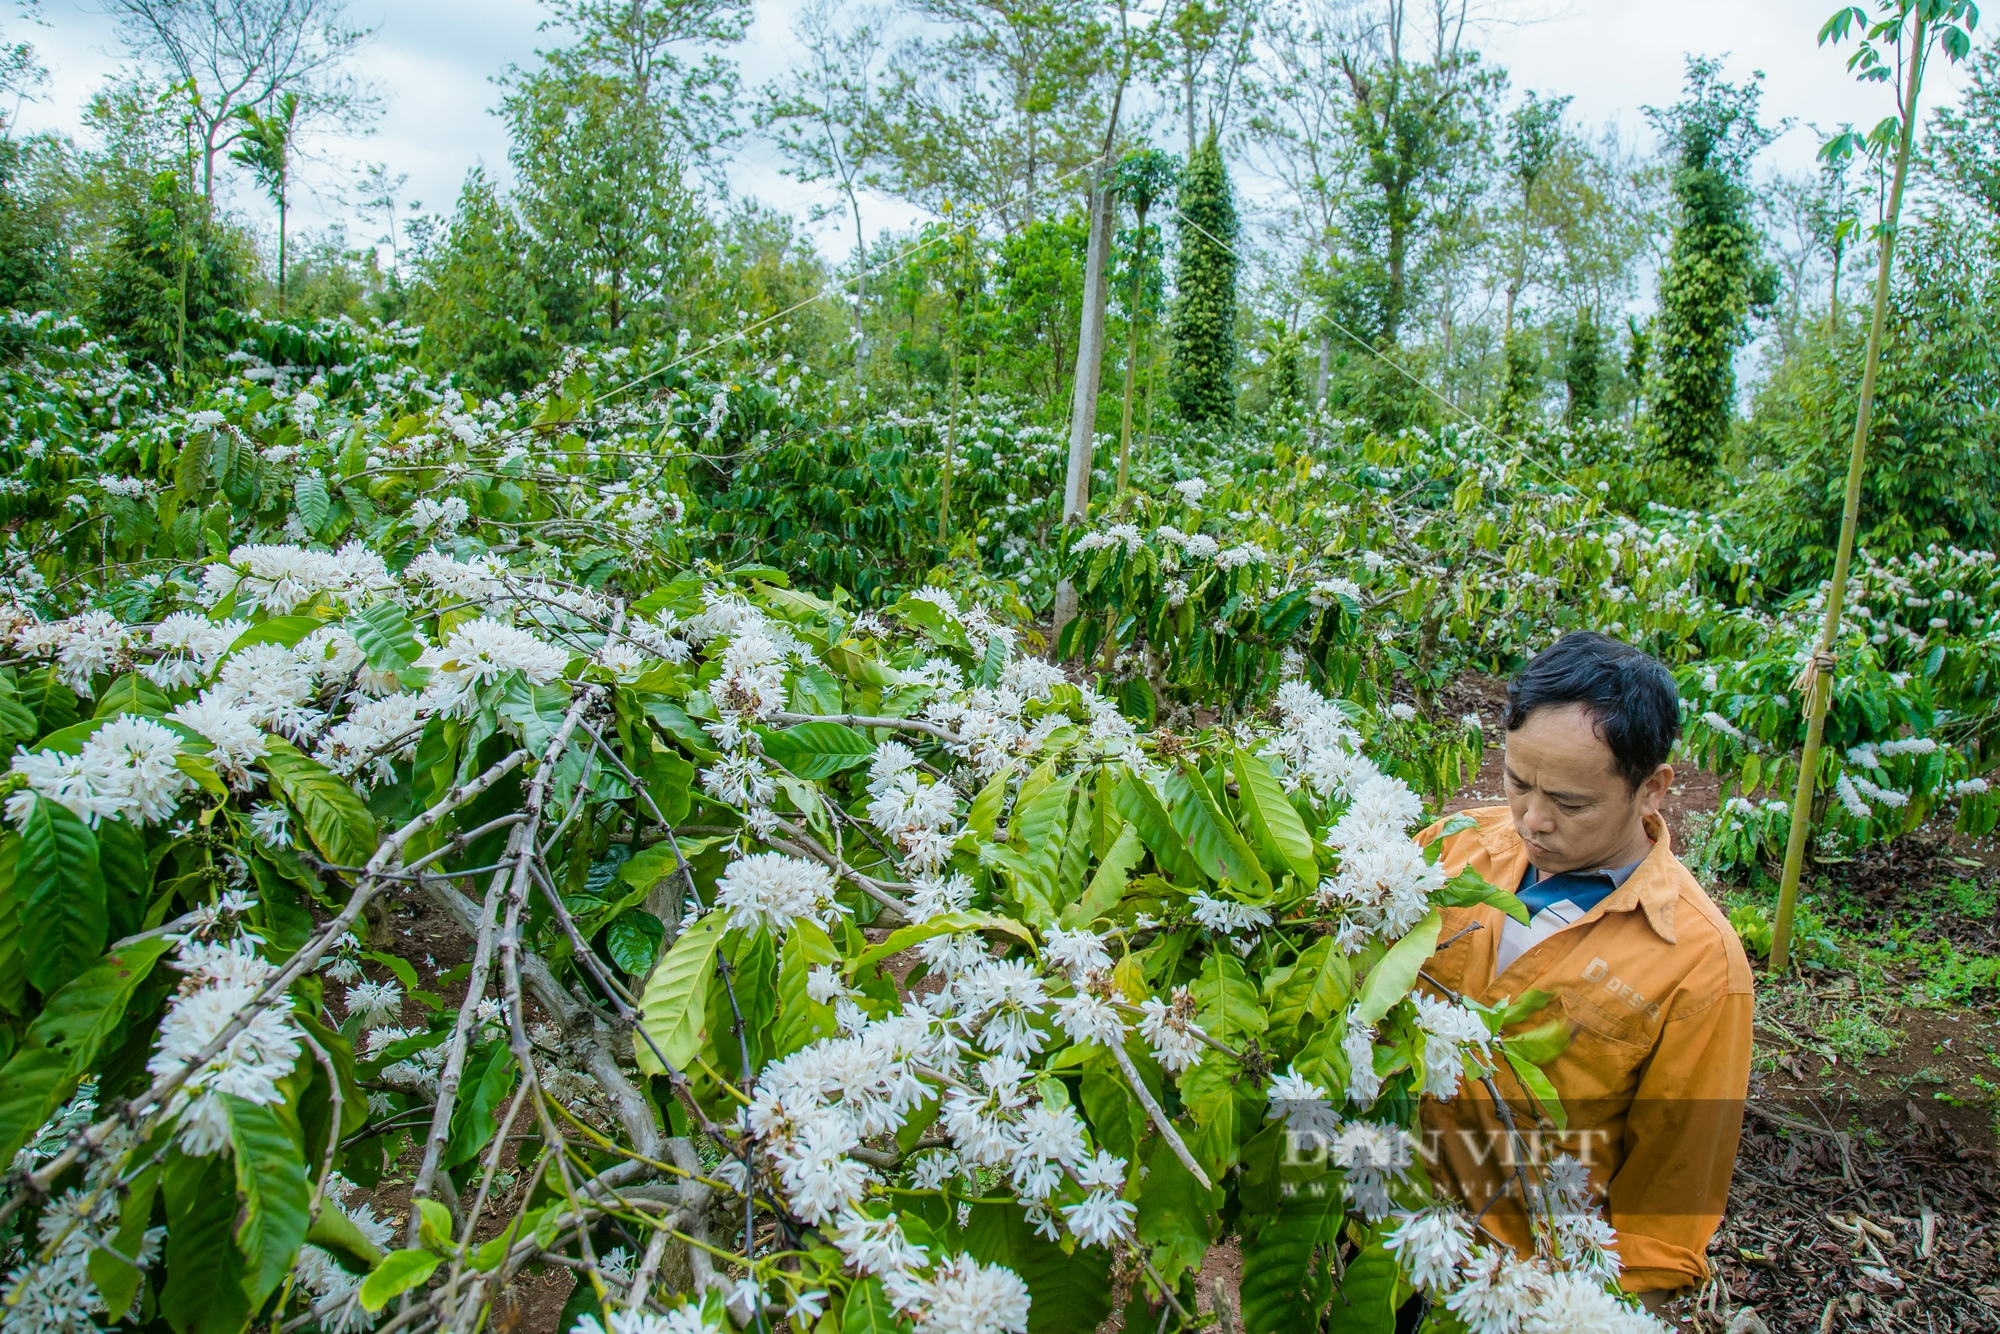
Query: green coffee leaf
60	888
1107	886
397	1274
335	819
1276	824
817	750
943	924
1469	888
1391	979
672	1010
286	631
384	632
271	1181
633	941
61	1046
1068	1294
205	1273
131	693
1212	837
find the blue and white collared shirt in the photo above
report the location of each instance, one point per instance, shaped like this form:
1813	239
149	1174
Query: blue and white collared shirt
1554	902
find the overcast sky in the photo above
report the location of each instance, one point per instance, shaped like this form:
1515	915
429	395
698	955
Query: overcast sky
435	62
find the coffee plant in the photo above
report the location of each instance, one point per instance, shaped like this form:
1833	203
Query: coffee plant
821	961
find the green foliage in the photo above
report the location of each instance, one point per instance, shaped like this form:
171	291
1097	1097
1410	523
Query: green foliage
59	892
1713	274
174	281
1520	386
1038	283
629	434
484	316
1583	368
34	268
1202	378
611	231
1933	477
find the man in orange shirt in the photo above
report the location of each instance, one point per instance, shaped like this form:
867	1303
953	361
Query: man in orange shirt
1646	974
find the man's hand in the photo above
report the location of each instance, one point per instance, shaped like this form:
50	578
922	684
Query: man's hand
1656	1301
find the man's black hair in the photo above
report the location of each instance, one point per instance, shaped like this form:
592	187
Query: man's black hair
1630	697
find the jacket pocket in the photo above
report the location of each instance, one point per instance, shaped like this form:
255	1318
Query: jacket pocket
1604	1058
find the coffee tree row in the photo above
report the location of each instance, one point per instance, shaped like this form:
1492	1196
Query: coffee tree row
820	963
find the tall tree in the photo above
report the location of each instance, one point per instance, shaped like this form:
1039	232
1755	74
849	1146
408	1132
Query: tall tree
824	117
637	46
1962	149
1638	363
229	54
265	147
1101	204
1520	382
32	259
173	281
1418	106
384	199
1202	371
481	309
36	182
20	68
1583	367
1714	272
1594	212
1302	124
1910	28
1534	137
1204	51
603	136
1809	220
1003	107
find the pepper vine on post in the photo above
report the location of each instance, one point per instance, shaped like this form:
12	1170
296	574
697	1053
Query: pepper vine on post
1924	22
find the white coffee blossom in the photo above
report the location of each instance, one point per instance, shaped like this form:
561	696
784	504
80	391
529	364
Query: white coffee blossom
222	979
189	648
127	769
769	889
963	1296
1432	1246
1170	1031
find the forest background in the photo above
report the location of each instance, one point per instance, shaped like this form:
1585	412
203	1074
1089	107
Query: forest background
1437	272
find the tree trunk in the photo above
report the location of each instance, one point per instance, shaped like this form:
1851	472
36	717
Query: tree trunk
1089	374
860	282
1131	356
1399	242
1817	682
281	248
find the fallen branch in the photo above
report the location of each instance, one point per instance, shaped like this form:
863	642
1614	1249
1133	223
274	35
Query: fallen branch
1160	1122
87	1144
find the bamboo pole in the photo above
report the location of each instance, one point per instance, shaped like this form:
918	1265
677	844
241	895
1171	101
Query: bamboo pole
1816	683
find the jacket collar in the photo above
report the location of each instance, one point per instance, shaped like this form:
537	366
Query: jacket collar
1653	888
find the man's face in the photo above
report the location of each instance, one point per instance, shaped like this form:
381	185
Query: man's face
1572	808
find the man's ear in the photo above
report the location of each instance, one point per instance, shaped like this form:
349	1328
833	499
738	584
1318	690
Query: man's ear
1653	791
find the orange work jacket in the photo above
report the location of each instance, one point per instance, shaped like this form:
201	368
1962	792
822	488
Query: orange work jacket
1654	989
